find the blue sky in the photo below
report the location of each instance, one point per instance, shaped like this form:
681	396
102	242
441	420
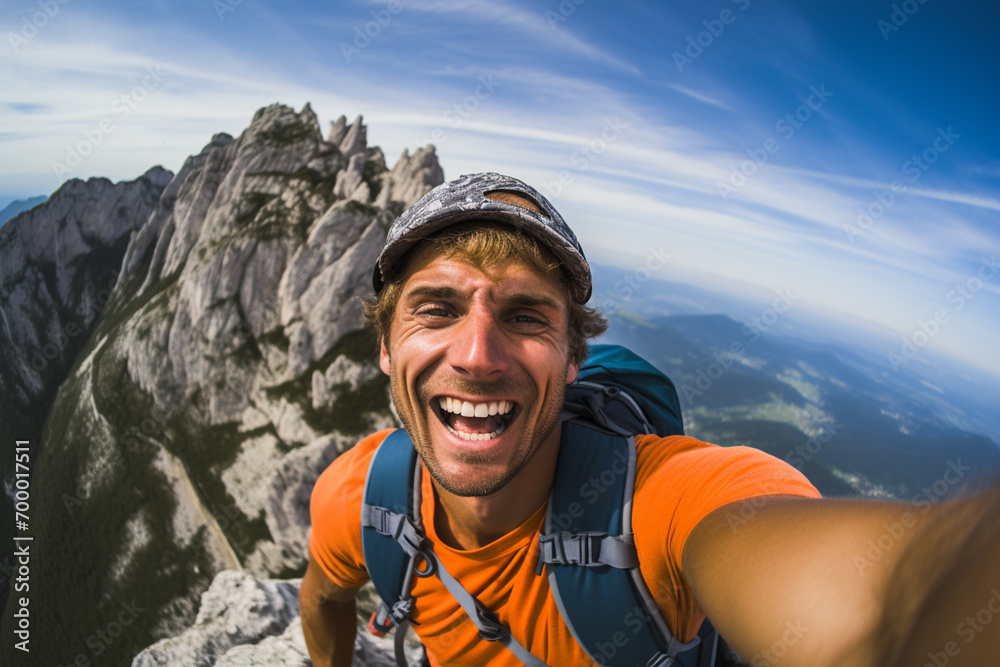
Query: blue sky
743	137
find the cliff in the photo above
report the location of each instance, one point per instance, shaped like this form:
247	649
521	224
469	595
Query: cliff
201	401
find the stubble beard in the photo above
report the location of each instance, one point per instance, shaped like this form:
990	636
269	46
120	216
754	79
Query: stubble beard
531	440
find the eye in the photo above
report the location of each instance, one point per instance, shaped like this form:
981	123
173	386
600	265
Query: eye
433	312
528	322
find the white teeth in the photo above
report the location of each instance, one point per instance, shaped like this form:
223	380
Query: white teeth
479	410
467	409
477	437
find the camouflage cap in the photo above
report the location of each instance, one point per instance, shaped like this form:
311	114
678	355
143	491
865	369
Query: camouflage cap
466	198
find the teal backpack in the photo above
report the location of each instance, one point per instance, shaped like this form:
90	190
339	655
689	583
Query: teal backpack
586	545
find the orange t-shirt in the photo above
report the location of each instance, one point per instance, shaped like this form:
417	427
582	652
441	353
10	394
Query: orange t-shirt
679	480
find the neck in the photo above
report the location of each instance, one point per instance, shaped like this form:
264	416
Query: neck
471	522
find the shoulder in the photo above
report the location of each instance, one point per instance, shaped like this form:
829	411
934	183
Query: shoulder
724	471
679	481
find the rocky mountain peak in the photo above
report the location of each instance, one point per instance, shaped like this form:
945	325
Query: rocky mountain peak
355	141
59	263
227	369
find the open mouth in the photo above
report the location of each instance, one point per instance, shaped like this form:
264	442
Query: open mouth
475	422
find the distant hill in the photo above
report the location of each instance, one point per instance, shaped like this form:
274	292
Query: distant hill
952	390
822	408
20	206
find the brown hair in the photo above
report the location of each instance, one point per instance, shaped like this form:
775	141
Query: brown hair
487	244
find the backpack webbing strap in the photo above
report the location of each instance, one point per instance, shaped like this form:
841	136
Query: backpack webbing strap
588	549
489	626
393	536
387	513
591	502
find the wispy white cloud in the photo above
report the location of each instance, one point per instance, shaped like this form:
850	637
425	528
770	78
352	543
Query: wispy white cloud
531	24
655	183
701	97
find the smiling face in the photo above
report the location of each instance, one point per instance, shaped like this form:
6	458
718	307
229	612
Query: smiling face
478	361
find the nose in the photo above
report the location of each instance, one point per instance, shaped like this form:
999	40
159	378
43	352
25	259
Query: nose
478	349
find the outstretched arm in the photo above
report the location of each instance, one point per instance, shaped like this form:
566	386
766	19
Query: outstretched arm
823	583
329	619
946	590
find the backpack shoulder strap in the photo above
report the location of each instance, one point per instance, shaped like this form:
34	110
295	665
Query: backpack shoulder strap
589	551
391	534
395	550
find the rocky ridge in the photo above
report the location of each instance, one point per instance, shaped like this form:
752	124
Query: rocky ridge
59	263
229	368
243	622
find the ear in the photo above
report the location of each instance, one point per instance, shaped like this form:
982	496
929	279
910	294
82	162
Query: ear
571	371
383	358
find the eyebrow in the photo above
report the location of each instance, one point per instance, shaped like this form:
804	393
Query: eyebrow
532	300
444	293
450	293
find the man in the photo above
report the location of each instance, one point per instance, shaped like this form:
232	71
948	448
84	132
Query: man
480	310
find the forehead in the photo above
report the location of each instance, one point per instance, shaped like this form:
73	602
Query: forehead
429	266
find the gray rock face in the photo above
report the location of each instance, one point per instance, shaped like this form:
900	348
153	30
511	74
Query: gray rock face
235	611
229	368
413	174
58	264
247	623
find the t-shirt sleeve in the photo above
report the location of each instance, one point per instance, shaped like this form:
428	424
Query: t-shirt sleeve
335	511
679	482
